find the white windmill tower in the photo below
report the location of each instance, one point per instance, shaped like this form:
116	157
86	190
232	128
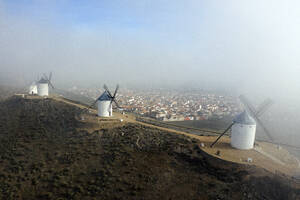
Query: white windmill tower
43	85
33	88
104	102
243	127
243	131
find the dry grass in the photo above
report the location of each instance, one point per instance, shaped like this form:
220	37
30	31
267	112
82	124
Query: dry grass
47	152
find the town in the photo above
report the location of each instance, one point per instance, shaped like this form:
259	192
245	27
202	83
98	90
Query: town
172	105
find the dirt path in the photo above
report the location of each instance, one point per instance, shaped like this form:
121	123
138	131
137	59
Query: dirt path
265	160
259	150
127	118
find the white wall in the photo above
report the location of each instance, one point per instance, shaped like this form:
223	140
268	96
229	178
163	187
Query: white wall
243	136
42	89
104	109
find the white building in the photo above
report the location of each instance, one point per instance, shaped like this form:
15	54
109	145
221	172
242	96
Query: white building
104	105
33	89
243	131
43	87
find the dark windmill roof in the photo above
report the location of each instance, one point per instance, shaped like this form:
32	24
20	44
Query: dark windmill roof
104	97
244	118
43	80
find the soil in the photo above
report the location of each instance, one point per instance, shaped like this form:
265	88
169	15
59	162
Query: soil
48	152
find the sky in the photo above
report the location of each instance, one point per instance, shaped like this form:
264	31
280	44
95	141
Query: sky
249	45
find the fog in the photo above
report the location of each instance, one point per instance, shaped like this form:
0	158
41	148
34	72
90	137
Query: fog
249	47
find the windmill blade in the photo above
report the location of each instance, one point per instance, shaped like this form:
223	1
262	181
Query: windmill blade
227	129
117	88
50	76
264	107
264	128
248	105
263	104
105	87
45	76
116	103
50	84
93	103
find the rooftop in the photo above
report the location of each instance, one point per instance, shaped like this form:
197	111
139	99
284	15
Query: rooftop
104	97
244	118
43	80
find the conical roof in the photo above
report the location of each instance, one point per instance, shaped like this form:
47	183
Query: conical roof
43	80
244	118
104	97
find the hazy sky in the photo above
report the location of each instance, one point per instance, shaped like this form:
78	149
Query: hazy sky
246	44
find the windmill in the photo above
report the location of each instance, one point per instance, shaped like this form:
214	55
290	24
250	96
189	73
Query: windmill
33	87
257	113
105	101
244	125
43	85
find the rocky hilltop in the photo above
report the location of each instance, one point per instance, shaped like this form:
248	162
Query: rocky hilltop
46	153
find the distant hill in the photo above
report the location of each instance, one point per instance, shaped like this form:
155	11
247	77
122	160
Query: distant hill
45	153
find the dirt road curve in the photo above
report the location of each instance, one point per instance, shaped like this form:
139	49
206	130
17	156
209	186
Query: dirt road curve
275	161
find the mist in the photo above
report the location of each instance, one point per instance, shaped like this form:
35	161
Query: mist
250	47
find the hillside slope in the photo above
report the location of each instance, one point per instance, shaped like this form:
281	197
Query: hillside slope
45	153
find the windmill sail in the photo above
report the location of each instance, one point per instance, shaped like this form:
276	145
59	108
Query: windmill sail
106	99
257	113
254	113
